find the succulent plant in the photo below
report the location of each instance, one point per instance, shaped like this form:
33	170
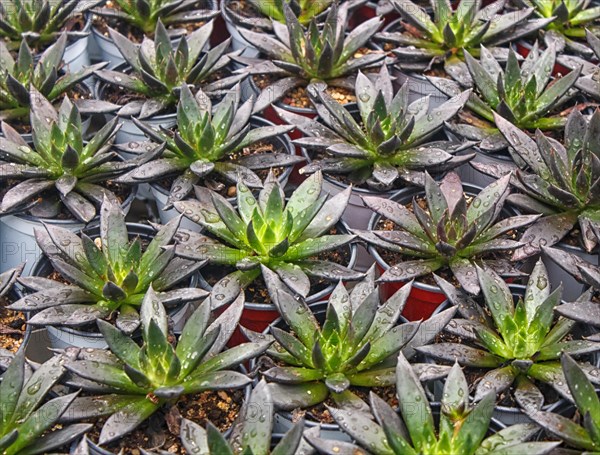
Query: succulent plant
590	82
59	165
424	41
450	232
146	14
570	20
462	427
39	22
9	278
158	71
269	234
297	55
106	275
589	66
584	436
26	417
251	434
304	10
562	181
203	145
527	96
20	74
388	143
356	345
138	380
584	309
519	343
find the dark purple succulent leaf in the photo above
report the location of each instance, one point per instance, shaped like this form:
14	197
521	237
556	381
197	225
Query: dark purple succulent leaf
497	380
547	231
411	269
464	355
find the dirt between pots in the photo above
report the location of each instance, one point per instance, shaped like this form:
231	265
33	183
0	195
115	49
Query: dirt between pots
161	431
12	326
133	33
256	292
224	187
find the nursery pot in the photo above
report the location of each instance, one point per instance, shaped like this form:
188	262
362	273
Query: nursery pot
106	51
65	337
258	316
76	55
17	241
238	43
161	194
129	132
424	298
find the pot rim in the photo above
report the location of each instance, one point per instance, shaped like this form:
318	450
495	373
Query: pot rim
285	138
311	298
134	229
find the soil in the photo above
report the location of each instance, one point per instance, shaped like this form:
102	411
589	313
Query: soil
79	92
224	187
256	291
120	191
12	326
132	33
161	431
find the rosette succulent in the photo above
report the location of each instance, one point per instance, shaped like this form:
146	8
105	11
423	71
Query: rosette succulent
39	22
146	14
158	71
449	233
203	145
388	143
520	344
585	434
297	55
570	18
46	76
462	426
562	181
356	345
59	168
268	234
105	275
528	96
304	10
27	417
7	280
138	380
426	41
